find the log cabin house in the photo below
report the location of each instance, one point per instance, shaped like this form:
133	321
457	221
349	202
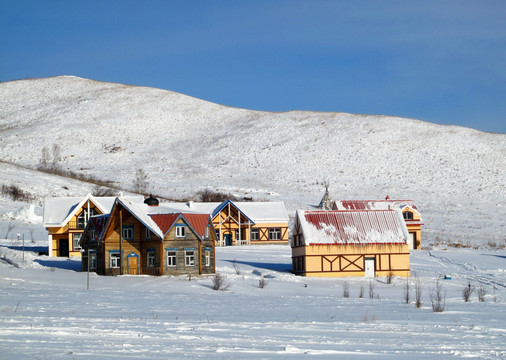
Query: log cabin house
145	238
350	243
66	217
409	211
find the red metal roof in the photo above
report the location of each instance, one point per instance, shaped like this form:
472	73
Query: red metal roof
164	221
197	221
353	227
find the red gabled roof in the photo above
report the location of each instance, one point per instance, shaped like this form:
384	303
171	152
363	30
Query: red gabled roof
164	221
198	222
353	227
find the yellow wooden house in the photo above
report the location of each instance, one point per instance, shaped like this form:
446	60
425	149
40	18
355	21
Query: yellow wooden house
66	217
143	239
350	243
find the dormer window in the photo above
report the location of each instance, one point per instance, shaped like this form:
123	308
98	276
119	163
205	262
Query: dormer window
408	215
180	231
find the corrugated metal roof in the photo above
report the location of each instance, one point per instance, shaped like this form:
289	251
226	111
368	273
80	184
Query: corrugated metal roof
353	227
164	221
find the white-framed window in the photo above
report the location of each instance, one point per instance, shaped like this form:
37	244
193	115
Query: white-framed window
76	237
180	231
148	234
171	258
93	259
275	234
208	257
255	234
128	233
189	257
151	257
206	234
114	260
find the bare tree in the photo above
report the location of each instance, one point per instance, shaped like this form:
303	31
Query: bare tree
467	292
45	158
346	290
406	291
481	293
236	268
56	155
371	289
438	297
390	277
361	293
220	282
418	292
262	282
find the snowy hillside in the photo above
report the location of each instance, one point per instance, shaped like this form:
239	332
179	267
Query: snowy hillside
455	175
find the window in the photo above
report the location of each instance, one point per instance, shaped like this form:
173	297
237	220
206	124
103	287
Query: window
151	259
208	257
92	235
255	234
408	215
180	231
275	234
75	241
114	260
128	233
81	220
171	259
148	234
93	259
189	257
206	235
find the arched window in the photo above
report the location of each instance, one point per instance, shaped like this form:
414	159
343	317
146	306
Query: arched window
408	215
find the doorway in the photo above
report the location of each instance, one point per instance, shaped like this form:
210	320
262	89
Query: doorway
133	264
228	239
64	247
369	267
411	240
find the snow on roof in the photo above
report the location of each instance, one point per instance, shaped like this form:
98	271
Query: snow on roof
372	204
160	219
257	212
353	227
59	210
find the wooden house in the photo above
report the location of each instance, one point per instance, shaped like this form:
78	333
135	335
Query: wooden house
350	243
409	211
66	217
243	223
143	238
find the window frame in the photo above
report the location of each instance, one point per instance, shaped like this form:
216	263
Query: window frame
273	231
254	231
189	257
181	229
151	258
125	230
92	259
114	255
407	215
76	246
170	263
147	235
207	257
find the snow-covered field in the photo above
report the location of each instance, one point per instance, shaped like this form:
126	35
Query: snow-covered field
46	312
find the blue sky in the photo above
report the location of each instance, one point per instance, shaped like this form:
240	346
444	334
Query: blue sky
438	61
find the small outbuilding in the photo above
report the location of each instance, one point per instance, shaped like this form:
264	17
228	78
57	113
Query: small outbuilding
350	243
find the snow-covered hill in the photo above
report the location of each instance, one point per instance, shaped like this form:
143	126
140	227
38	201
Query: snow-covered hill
455	175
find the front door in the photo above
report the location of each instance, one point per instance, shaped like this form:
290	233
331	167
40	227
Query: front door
411	240
64	247
369	267
228	239
132	264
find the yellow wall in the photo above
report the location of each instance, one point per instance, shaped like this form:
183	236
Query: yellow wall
348	260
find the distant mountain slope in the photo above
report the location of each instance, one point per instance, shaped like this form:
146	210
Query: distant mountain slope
455	175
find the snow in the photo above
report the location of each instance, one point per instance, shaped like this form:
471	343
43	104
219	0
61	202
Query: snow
46	311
